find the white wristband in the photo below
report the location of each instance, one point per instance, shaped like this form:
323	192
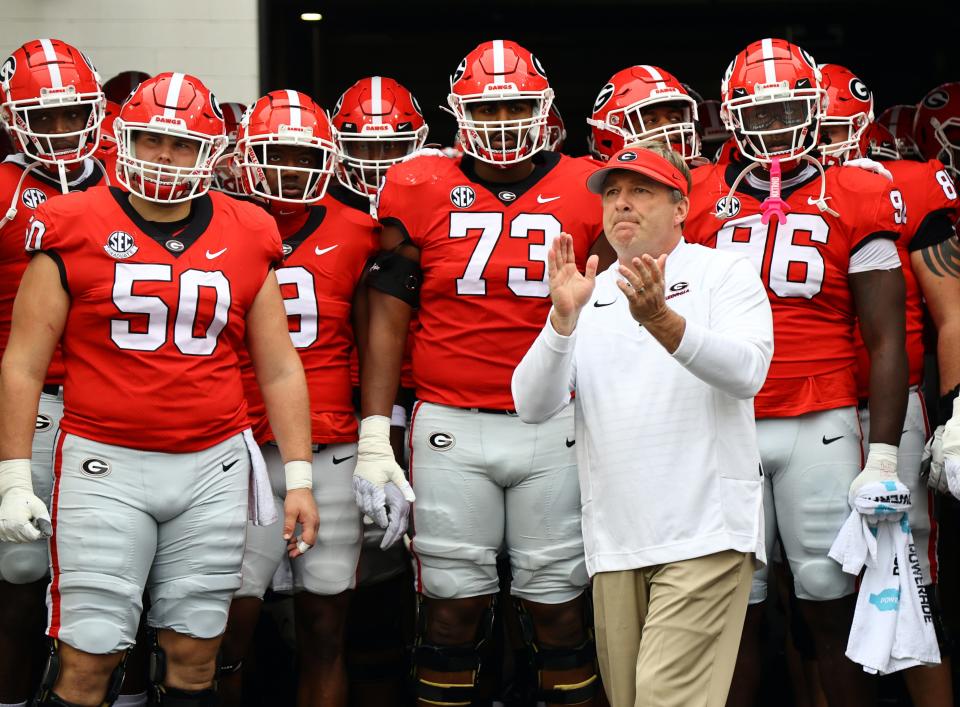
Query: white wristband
15	473
880	452
399	416
299	475
375	426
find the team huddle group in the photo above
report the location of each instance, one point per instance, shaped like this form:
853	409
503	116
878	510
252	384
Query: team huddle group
214	320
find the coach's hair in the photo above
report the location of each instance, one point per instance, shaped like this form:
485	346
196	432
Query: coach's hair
676	160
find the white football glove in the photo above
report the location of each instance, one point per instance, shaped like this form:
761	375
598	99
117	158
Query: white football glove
951	450
932	463
376	466
23	517
869	165
881	466
398	511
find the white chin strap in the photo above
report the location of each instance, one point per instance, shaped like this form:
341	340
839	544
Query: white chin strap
820	202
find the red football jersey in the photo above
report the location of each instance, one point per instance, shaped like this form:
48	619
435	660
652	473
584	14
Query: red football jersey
930	197
324	257
37	187
483	252
156	317
804	265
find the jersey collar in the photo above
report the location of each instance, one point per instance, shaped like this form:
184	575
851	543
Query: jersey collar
543	162
201	214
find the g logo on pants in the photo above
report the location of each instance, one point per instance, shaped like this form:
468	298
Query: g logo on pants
94	468
442	441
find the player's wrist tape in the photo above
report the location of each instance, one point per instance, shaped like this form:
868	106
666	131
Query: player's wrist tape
398	418
882	454
945	408
15	474
299	475
375	426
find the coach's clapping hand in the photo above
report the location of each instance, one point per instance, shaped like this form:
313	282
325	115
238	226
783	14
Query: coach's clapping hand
644	287
570	289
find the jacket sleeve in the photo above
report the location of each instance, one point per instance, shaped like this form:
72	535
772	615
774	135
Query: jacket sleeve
733	352
543	380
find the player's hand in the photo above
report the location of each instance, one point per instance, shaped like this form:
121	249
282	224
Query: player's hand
951	450
23	517
569	288
376	466
299	508
881	468
644	288
398	513
932	462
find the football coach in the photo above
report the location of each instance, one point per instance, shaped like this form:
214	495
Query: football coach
666	350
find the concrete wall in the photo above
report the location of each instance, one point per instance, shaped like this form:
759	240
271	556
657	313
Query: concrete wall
216	40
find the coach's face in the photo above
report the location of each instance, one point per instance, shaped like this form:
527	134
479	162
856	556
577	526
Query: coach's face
639	212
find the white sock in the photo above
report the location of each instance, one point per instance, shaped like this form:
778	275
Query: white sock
138	700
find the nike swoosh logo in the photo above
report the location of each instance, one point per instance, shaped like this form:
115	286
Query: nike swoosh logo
546	199
570	442
321	251
227	467
831	440
341	461
603	304
211	256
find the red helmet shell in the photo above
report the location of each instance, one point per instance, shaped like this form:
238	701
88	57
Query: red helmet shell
375	109
500	70
617	118
285	117
936	126
49	73
170	104
773	77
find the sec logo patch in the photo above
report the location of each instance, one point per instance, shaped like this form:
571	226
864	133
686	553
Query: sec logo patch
32	197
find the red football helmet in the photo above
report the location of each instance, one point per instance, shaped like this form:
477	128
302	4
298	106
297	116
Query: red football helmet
878	143
899	121
773	101
556	130
177	105
494	72
119	88
849	107
279	119
108	138
44	74
936	126
377	122
713	133
619	110
224	178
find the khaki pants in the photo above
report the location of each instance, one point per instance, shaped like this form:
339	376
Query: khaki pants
668	635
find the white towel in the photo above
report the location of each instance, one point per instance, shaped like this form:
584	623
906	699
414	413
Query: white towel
952	470
892	625
261	510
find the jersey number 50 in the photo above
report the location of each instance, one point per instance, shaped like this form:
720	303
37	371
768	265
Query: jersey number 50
158	314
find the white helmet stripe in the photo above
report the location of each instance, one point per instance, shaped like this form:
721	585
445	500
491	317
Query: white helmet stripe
173	96
769	68
894	119
56	81
498	60
376	100
655	75
294	98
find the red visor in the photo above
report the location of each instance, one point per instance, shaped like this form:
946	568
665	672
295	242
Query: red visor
638	159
